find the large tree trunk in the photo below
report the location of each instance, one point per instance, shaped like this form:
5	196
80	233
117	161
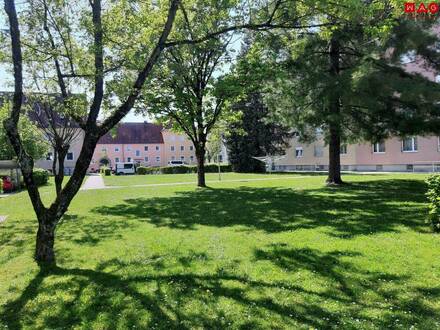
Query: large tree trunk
200	155
44	248
334	170
59	175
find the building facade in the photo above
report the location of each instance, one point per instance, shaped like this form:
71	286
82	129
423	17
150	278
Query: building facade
409	154
71	157
145	144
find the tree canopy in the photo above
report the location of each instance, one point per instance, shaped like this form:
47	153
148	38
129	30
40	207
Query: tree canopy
33	140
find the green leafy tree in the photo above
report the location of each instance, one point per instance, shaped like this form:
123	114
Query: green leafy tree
186	94
33	140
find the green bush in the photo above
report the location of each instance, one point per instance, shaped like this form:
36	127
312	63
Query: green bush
433	195
213	168
142	170
41	176
177	169
1	186
184	169
105	171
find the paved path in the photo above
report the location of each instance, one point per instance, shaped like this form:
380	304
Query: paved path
94	182
188	183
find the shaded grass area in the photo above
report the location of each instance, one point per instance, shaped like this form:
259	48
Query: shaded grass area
130	180
271	254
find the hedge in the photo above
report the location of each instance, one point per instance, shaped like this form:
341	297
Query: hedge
105	171
41	176
209	168
433	195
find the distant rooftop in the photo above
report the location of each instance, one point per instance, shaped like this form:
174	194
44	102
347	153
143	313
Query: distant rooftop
134	133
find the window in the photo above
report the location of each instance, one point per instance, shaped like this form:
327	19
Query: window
173	158
379	147
409	144
69	156
128	166
146	159
191	148
318	151
343	149
220	158
182	158
129	159
157	148
299	152
104	149
117	160
182	148
138	153
128	148
49	156
116	149
172	148
146	148
158	159
191	158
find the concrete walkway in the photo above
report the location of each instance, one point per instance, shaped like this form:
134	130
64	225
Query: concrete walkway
94	182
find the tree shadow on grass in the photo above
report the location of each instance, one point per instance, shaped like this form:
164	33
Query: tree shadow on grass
118	294
356	209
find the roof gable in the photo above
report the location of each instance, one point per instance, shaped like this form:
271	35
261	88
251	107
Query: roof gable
134	133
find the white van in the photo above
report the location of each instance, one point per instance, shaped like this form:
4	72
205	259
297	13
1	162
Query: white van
125	168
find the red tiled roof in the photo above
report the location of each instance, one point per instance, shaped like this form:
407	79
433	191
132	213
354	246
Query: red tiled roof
134	133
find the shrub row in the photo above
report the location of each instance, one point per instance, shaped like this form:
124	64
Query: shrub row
209	168
105	171
433	195
41	176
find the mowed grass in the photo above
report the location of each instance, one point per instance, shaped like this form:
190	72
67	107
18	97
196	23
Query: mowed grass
281	254
130	180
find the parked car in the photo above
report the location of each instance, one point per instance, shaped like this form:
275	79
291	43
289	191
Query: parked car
176	163
125	168
8	185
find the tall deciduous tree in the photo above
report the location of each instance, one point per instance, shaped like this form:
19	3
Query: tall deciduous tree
186	93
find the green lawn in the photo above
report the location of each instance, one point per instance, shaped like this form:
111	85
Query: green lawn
284	254
131	180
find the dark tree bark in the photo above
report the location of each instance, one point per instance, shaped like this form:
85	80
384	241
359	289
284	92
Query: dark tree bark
334	171
200	155
44	248
58	168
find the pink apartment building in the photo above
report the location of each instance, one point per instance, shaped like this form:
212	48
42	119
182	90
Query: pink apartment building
414	153
142	143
